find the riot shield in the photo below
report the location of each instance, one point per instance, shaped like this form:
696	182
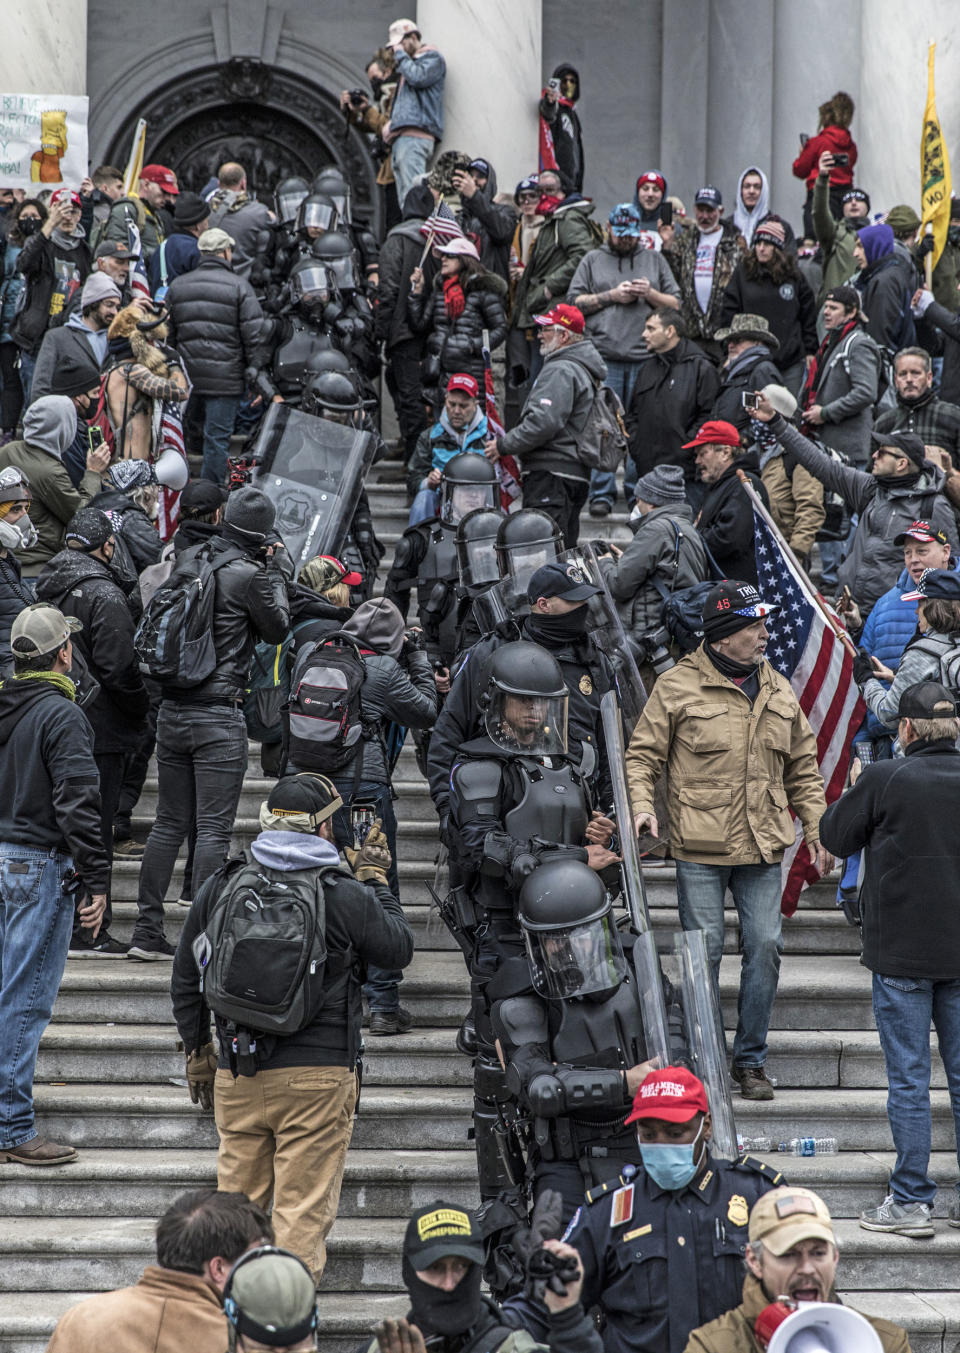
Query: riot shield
606	630
703	1026
649	979
312	470
506	600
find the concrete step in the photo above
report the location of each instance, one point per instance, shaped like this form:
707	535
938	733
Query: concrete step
137	1183
88	1254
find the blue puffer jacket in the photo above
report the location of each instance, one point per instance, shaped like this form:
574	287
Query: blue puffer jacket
419	99
888	629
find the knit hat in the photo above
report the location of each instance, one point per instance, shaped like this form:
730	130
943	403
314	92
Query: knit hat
651	176
270	1298
902	220
190	210
857	195
663	484
88	529
877	241
377	624
732	606
770	231
214	241
299	803
76	373
251	514
98	287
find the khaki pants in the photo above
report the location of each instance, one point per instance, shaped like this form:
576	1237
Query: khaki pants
284	1135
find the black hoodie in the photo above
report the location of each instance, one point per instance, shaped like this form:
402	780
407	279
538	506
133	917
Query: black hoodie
567	136
399	256
51	797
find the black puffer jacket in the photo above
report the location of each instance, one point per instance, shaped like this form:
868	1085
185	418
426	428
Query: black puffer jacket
38	261
672	395
85	587
139	533
399	255
726	520
215	321
459	342
13	598
251	603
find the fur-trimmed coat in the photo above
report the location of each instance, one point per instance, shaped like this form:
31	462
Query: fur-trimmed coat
459	342
139	377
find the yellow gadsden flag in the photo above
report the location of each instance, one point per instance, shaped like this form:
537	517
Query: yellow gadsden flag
131	175
935	185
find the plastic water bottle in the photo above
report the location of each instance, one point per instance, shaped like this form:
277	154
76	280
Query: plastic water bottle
812	1146
754	1145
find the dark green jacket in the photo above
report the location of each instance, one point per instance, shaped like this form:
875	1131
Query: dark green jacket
563	240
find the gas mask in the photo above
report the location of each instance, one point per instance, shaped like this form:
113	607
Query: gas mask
18	535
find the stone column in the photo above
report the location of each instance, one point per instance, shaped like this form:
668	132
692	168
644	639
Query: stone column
740	93
684	89
44	48
492	50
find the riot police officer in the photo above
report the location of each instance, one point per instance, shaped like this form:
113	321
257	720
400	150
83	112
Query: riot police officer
477	568
516	800
426	556
334	185
298	333
570	1027
558	595
349	314
662	1246
526	541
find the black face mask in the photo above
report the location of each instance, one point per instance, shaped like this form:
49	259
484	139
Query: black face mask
558	629
434	1311
376	87
28	225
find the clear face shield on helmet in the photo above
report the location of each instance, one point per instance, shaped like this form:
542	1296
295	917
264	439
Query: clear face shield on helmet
481	563
311	285
580	960
535	725
319	215
343	275
288	204
456	500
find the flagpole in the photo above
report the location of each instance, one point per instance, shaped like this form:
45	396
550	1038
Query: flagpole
758	506
431	237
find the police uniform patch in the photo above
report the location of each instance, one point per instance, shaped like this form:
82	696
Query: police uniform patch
586	685
737	1211
572	1224
621	1206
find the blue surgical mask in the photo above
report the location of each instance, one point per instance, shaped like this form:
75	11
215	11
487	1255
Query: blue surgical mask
672	1167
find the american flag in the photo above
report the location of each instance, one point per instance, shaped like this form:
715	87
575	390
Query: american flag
139	283
442	225
170	435
806	648
508	472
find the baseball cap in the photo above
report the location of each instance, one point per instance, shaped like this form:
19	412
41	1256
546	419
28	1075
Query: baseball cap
161	175
270	1297
399	29
783	1217
213	241
717	432
114	249
625	220
201	496
481	165
940	583
923	531
89	528
672	1093
439	1230
325	571
564	316
67	195
904	443
927	700
732	606
561	580
299	803
464	382
708	196
41	628
460	247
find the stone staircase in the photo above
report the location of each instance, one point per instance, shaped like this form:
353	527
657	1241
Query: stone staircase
110	1080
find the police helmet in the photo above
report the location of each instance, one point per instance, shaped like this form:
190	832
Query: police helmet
287	197
332	182
310	282
526	541
317	210
469	481
330	392
328	358
476	533
336	251
525	703
567	923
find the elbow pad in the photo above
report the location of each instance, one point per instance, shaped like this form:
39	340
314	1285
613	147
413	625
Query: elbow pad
590	1088
545	1096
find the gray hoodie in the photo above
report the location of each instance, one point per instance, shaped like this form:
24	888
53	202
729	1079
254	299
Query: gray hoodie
50	424
294	850
378	624
617	330
555	412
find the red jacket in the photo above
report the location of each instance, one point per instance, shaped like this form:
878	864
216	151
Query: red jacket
833	139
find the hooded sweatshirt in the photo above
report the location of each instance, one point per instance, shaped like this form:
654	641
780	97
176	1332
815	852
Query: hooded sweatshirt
294	850
379	625
747	221
650	218
49	426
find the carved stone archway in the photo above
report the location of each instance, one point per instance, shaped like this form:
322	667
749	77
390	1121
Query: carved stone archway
270	120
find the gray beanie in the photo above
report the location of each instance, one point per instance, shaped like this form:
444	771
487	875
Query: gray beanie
663	484
250	513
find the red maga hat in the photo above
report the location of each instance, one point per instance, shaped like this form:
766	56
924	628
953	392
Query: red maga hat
673	1094
161	175
716	433
563	316
465	383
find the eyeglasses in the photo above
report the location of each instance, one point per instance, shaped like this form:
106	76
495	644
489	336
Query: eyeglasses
528	197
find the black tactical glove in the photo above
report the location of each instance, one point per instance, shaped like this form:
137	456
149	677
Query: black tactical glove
862	667
544	1269
926	246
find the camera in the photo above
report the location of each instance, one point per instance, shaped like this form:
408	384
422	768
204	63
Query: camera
653	647
357	98
750	401
841	158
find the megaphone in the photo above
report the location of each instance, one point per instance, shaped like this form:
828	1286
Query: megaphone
816	1327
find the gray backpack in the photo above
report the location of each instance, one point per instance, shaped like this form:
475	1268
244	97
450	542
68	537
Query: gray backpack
602	441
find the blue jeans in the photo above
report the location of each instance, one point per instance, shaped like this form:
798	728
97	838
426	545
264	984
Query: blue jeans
36	920
603	485
903	1008
410	156
27	365
382	988
756	894
424	504
219	417
201	759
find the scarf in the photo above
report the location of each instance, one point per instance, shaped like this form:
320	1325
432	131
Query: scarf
902	481
744	675
68	242
819	364
454	300
62	682
548	205
552	630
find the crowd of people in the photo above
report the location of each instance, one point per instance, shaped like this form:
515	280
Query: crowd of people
190	400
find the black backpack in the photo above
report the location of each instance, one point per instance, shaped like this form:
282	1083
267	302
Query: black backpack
682	612
263	953
323	718
174	639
